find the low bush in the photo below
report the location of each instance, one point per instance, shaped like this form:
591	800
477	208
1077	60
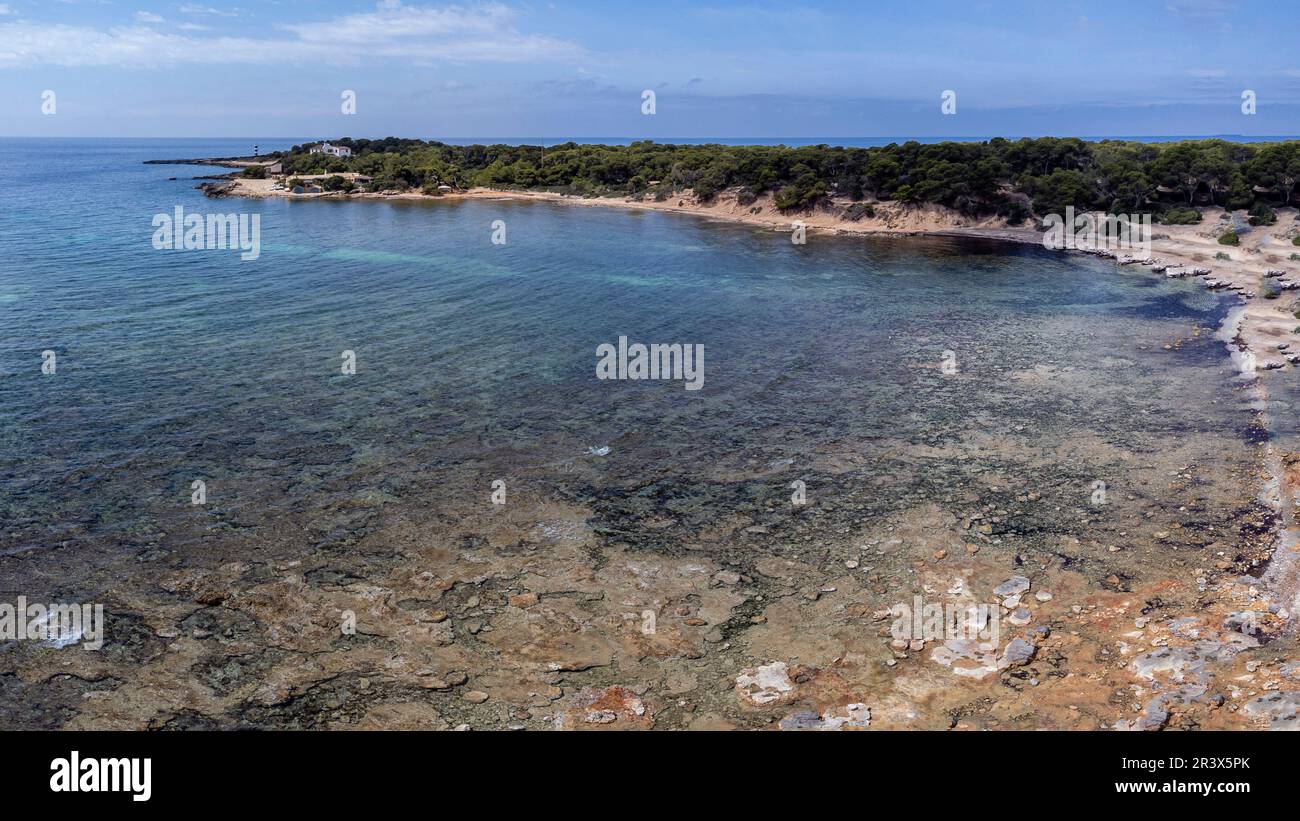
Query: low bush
337	183
1181	216
1261	214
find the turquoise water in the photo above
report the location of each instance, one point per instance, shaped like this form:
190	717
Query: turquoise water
478	360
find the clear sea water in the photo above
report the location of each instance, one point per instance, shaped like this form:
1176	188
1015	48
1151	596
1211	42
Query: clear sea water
477	361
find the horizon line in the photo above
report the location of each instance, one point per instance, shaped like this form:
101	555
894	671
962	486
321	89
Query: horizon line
894	137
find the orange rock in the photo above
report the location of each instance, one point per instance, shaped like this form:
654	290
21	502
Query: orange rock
523	600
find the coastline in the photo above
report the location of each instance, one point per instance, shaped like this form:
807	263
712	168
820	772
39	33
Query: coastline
1186	247
1252	330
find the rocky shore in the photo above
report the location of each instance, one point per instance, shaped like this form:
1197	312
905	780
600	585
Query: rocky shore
1260	272
610	603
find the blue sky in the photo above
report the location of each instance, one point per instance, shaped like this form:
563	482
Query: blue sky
574	68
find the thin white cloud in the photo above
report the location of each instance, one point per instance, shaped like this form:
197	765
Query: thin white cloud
194	8
485	33
394	22
4	9
1201	9
148	17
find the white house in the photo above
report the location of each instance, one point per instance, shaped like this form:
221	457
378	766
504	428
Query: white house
334	150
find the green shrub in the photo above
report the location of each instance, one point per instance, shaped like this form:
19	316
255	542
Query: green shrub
1222	255
1261	214
1181	216
255	172
337	183
1016	213
1229	238
1296	240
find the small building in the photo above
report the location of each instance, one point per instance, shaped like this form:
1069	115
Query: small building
275	168
332	150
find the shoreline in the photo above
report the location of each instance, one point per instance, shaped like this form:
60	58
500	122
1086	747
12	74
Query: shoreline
1252	330
1186	248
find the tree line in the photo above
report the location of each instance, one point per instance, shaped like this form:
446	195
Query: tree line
1017	179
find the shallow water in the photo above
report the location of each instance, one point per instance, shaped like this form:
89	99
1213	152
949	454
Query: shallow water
1011	409
477	361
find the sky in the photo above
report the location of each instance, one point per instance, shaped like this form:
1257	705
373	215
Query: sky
580	68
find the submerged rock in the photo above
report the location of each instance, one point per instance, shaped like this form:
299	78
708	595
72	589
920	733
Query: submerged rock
1176	661
765	685
616	708
966	658
851	716
1013	586
1281	709
1019	652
